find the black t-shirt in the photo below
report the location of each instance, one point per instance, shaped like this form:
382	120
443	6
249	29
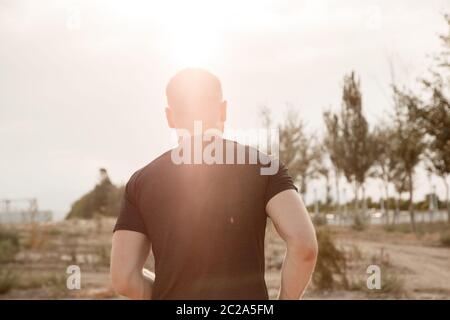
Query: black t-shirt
206	224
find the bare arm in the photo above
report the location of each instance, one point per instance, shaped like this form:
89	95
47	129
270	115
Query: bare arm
129	252
294	225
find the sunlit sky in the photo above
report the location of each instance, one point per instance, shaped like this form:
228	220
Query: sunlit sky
82	82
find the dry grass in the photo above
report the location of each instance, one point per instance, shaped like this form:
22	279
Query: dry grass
411	267
445	238
9	244
8	280
37	238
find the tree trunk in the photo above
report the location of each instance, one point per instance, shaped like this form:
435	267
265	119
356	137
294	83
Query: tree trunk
338	197
363	199
327	190
397	208
386	203
447	200
411	205
303	187
356	200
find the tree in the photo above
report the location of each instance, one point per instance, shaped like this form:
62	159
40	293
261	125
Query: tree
434	115
103	200
401	185
298	150
354	150
333	143
385	160
436	122
408	142
323	170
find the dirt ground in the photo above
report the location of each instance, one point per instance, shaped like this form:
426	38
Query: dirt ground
422	265
412	267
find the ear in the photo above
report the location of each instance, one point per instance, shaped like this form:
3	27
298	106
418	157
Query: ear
169	117
223	111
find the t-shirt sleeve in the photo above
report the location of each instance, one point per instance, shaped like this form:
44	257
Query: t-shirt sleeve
130	217
279	182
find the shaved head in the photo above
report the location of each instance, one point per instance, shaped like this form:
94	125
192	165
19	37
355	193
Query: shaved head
195	95
193	87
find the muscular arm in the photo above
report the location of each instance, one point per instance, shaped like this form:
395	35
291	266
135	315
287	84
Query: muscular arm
292	222
129	252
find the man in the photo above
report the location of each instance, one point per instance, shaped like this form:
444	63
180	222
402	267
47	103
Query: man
206	222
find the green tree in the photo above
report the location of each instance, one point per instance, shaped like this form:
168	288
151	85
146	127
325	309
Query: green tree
298	150
354	148
385	160
333	144
434	114
103	200
408	143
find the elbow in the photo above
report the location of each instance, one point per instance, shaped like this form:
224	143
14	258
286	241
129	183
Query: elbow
305	249
120	286
120	283
121	289
313	251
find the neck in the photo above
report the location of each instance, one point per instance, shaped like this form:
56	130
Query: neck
199	131
207	134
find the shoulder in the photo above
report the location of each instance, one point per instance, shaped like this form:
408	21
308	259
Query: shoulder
265	164
155	166
262	157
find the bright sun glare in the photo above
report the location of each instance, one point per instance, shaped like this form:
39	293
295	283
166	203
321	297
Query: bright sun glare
191	43
190	32
193	31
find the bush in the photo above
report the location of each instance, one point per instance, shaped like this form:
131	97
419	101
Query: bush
358	223
9	245
331	263
389	228
105	200
8	280
319	220
392	283
104	255
36	237
445	239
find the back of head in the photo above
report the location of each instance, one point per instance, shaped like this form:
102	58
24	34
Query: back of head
194	94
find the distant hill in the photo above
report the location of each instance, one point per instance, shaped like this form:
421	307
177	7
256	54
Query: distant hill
103	200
